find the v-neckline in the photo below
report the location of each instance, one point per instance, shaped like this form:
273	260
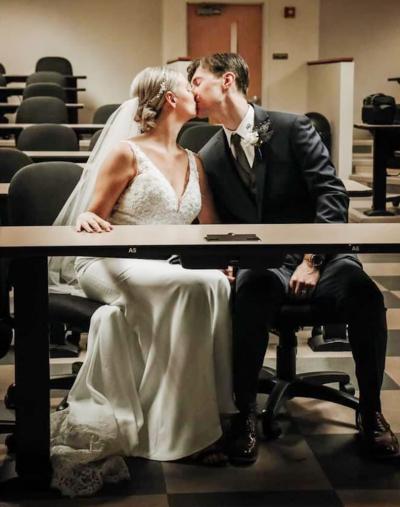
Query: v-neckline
187	174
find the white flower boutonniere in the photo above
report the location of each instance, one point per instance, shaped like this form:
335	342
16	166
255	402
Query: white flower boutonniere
261	134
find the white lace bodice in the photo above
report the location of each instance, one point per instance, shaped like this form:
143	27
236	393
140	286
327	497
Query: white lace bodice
151	199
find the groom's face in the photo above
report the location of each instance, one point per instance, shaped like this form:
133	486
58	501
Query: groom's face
208	92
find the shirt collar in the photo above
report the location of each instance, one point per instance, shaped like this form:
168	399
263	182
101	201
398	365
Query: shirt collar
245	127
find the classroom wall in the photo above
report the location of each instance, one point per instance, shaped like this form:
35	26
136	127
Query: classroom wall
284	81
107	41
111	41
369	31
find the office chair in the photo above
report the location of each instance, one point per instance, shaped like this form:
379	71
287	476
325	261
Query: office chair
48	136
42	110
102	113
52	183
11	161
2	69
189	124
94	138
322	126
196	136
45	90
3	97
284	383
54	63
46	77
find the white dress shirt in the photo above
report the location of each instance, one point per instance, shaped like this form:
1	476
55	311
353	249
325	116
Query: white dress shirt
244	129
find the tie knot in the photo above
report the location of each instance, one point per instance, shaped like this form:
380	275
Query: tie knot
235	139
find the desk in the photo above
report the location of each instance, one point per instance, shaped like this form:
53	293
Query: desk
383	150
21	78
30	246
6	108
72	108
356	189
7	129
65	156
9	91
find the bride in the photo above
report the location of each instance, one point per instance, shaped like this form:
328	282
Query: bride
157	375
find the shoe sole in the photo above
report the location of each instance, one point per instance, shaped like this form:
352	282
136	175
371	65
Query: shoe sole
242	461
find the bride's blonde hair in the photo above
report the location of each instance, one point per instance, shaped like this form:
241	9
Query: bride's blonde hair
150	86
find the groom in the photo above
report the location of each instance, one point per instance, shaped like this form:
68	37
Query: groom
272	167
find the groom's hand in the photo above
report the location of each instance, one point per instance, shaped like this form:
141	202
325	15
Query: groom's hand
228	272
304	280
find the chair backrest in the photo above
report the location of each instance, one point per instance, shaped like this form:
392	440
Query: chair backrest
188	125
3	96
194	138
42	110
94	138
48	136
45	90
102	113
55	63
38	191
2	69
322	126
11	160
46	77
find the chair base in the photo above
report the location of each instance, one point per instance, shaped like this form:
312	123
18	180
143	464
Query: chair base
66	350
319	343
306	385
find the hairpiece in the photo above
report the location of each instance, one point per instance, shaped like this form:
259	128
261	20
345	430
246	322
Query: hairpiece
162	90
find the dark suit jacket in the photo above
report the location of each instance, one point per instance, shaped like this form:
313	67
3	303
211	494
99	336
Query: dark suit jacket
295	178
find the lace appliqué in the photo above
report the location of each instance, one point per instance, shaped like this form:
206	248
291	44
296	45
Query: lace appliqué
84	456
150	198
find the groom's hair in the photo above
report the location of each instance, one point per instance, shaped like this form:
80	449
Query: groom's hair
219	63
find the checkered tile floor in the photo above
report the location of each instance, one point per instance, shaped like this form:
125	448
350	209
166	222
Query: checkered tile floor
314	464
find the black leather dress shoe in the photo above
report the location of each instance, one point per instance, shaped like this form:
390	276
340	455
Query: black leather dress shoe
377	439
243	440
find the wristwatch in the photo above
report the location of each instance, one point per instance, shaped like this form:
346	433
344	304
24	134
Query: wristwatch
315	260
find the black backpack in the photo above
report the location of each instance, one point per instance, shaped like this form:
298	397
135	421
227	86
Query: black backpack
379	109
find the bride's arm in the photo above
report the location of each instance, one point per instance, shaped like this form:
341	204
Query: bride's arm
208	214
118	170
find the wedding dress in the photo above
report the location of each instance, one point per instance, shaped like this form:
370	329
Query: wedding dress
157	374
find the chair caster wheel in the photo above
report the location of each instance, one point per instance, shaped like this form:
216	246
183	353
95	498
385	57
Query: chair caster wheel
9	398
347	388
11	444
271	429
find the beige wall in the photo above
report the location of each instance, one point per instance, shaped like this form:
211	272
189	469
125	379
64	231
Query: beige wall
109	41
284	82
370	32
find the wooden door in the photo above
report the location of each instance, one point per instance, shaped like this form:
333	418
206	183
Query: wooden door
214	28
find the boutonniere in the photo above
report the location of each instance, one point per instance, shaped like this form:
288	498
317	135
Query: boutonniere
261	134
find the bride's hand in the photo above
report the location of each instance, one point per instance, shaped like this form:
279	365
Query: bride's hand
228	272
90	222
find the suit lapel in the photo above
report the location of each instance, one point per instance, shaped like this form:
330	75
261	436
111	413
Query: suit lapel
260	161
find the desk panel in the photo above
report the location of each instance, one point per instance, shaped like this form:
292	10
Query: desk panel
30	247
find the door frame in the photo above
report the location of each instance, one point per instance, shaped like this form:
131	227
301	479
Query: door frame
174	14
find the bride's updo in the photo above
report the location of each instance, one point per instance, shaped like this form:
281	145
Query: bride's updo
149	86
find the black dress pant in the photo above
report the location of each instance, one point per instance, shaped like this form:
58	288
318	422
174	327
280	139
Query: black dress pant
344	291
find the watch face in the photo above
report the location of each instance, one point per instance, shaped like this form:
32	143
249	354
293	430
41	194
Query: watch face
317	260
